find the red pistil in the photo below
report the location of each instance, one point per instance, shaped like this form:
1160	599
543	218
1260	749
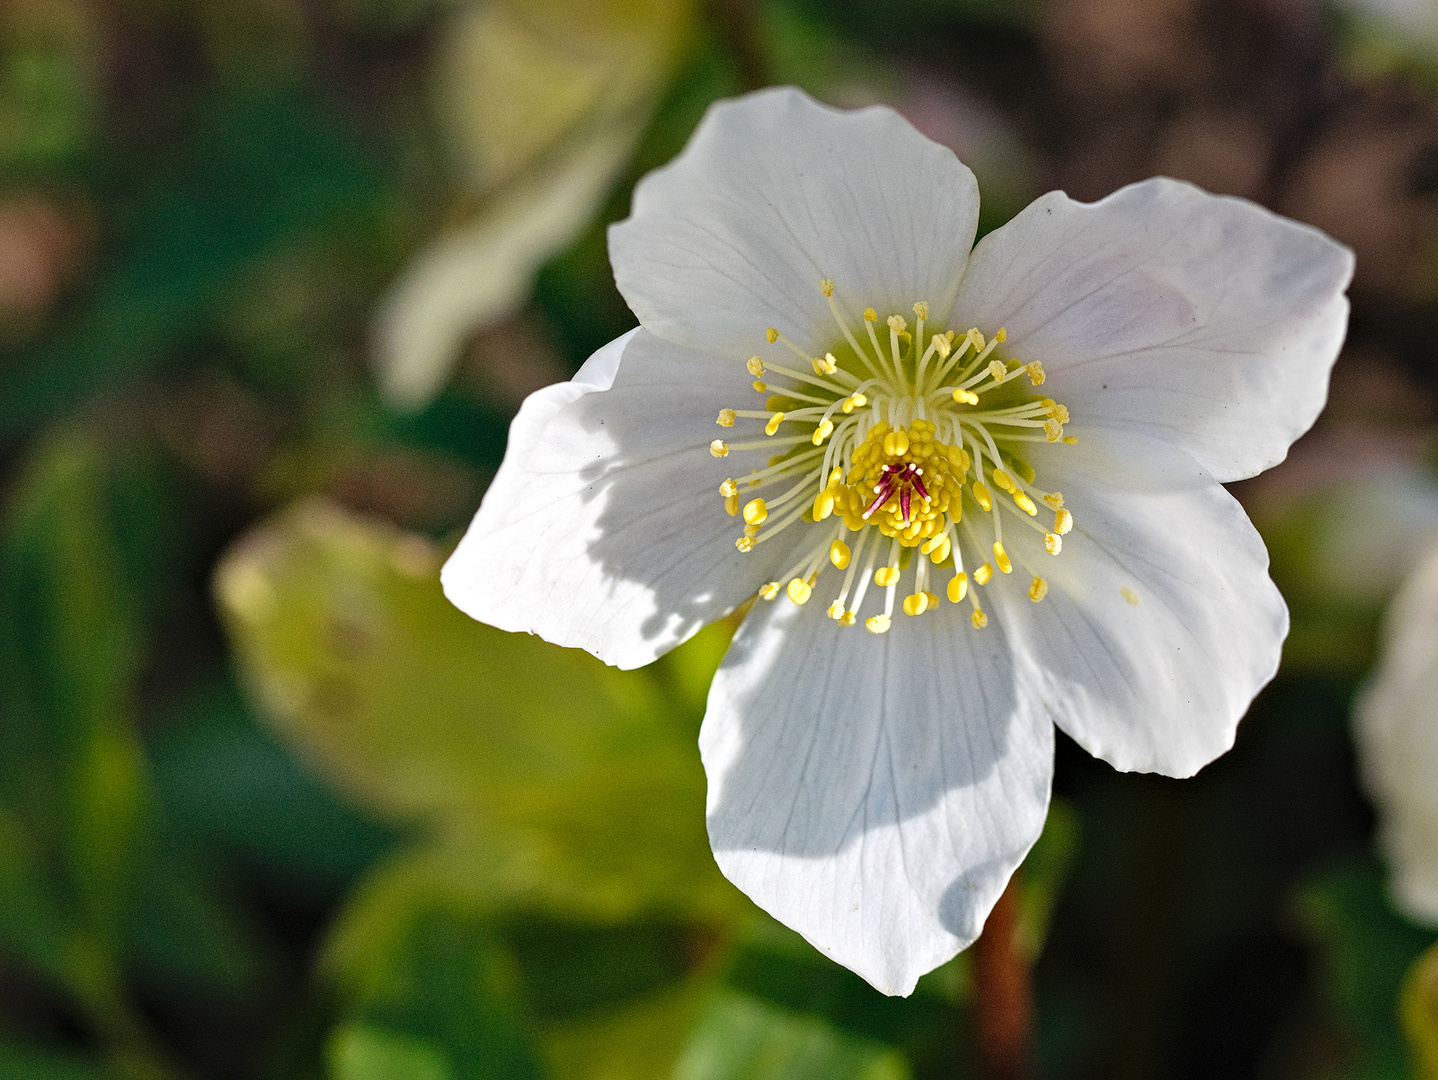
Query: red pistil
903	479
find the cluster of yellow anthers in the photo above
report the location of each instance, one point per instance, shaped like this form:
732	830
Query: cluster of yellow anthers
892	444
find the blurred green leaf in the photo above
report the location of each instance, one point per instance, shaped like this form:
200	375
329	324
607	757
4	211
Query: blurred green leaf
640	1040
775	965
550	778
1043	875
1366	951
257	168
48	84
554	792
404	701
36	922
741	1038
186	932
543	103
357	1052
72	772
74	647
445	998
1420	1013
240	793
32	1063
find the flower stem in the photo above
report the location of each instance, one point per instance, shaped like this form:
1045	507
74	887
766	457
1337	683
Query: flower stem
1004	998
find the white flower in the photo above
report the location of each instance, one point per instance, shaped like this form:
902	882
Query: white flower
1397	735
1021	559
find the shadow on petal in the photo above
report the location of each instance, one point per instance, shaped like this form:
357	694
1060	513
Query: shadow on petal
874	792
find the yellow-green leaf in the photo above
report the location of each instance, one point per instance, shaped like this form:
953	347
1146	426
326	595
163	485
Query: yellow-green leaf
741	1038
358	1052
1420	1014
407	704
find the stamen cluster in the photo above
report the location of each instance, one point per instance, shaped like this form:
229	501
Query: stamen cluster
892	443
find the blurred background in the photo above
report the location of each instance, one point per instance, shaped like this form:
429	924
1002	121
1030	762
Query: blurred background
275	275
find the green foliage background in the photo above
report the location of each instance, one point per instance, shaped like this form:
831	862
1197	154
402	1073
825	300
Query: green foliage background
271	809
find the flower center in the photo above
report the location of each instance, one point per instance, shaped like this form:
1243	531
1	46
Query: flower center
893	444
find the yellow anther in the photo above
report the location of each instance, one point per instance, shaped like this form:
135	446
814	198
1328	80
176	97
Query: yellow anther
981	495
1001	335
921	309
1053	430
877	624
773	424
856	401
1054	500
1053	543
1070	439
916	603
836	611
1130	597
728	488
822	432
870	315
731	504
848	618
941	552
824	365
958	587
1036	373
1004	481
997	370
823	504
769	591
1059	413
886	576
897	323
976	339
979	619
718	449
799	591
772	335
1063	521
839	554
931	543
760	387
1025	504
755	512
726	418
941	345
958	458
1038	589
983	574
826	287
745	543
1002	558
755	366
966	397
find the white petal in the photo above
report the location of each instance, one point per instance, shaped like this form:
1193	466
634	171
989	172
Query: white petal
1397	734
874	792
1206	321
1161	623
604	528
776	193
